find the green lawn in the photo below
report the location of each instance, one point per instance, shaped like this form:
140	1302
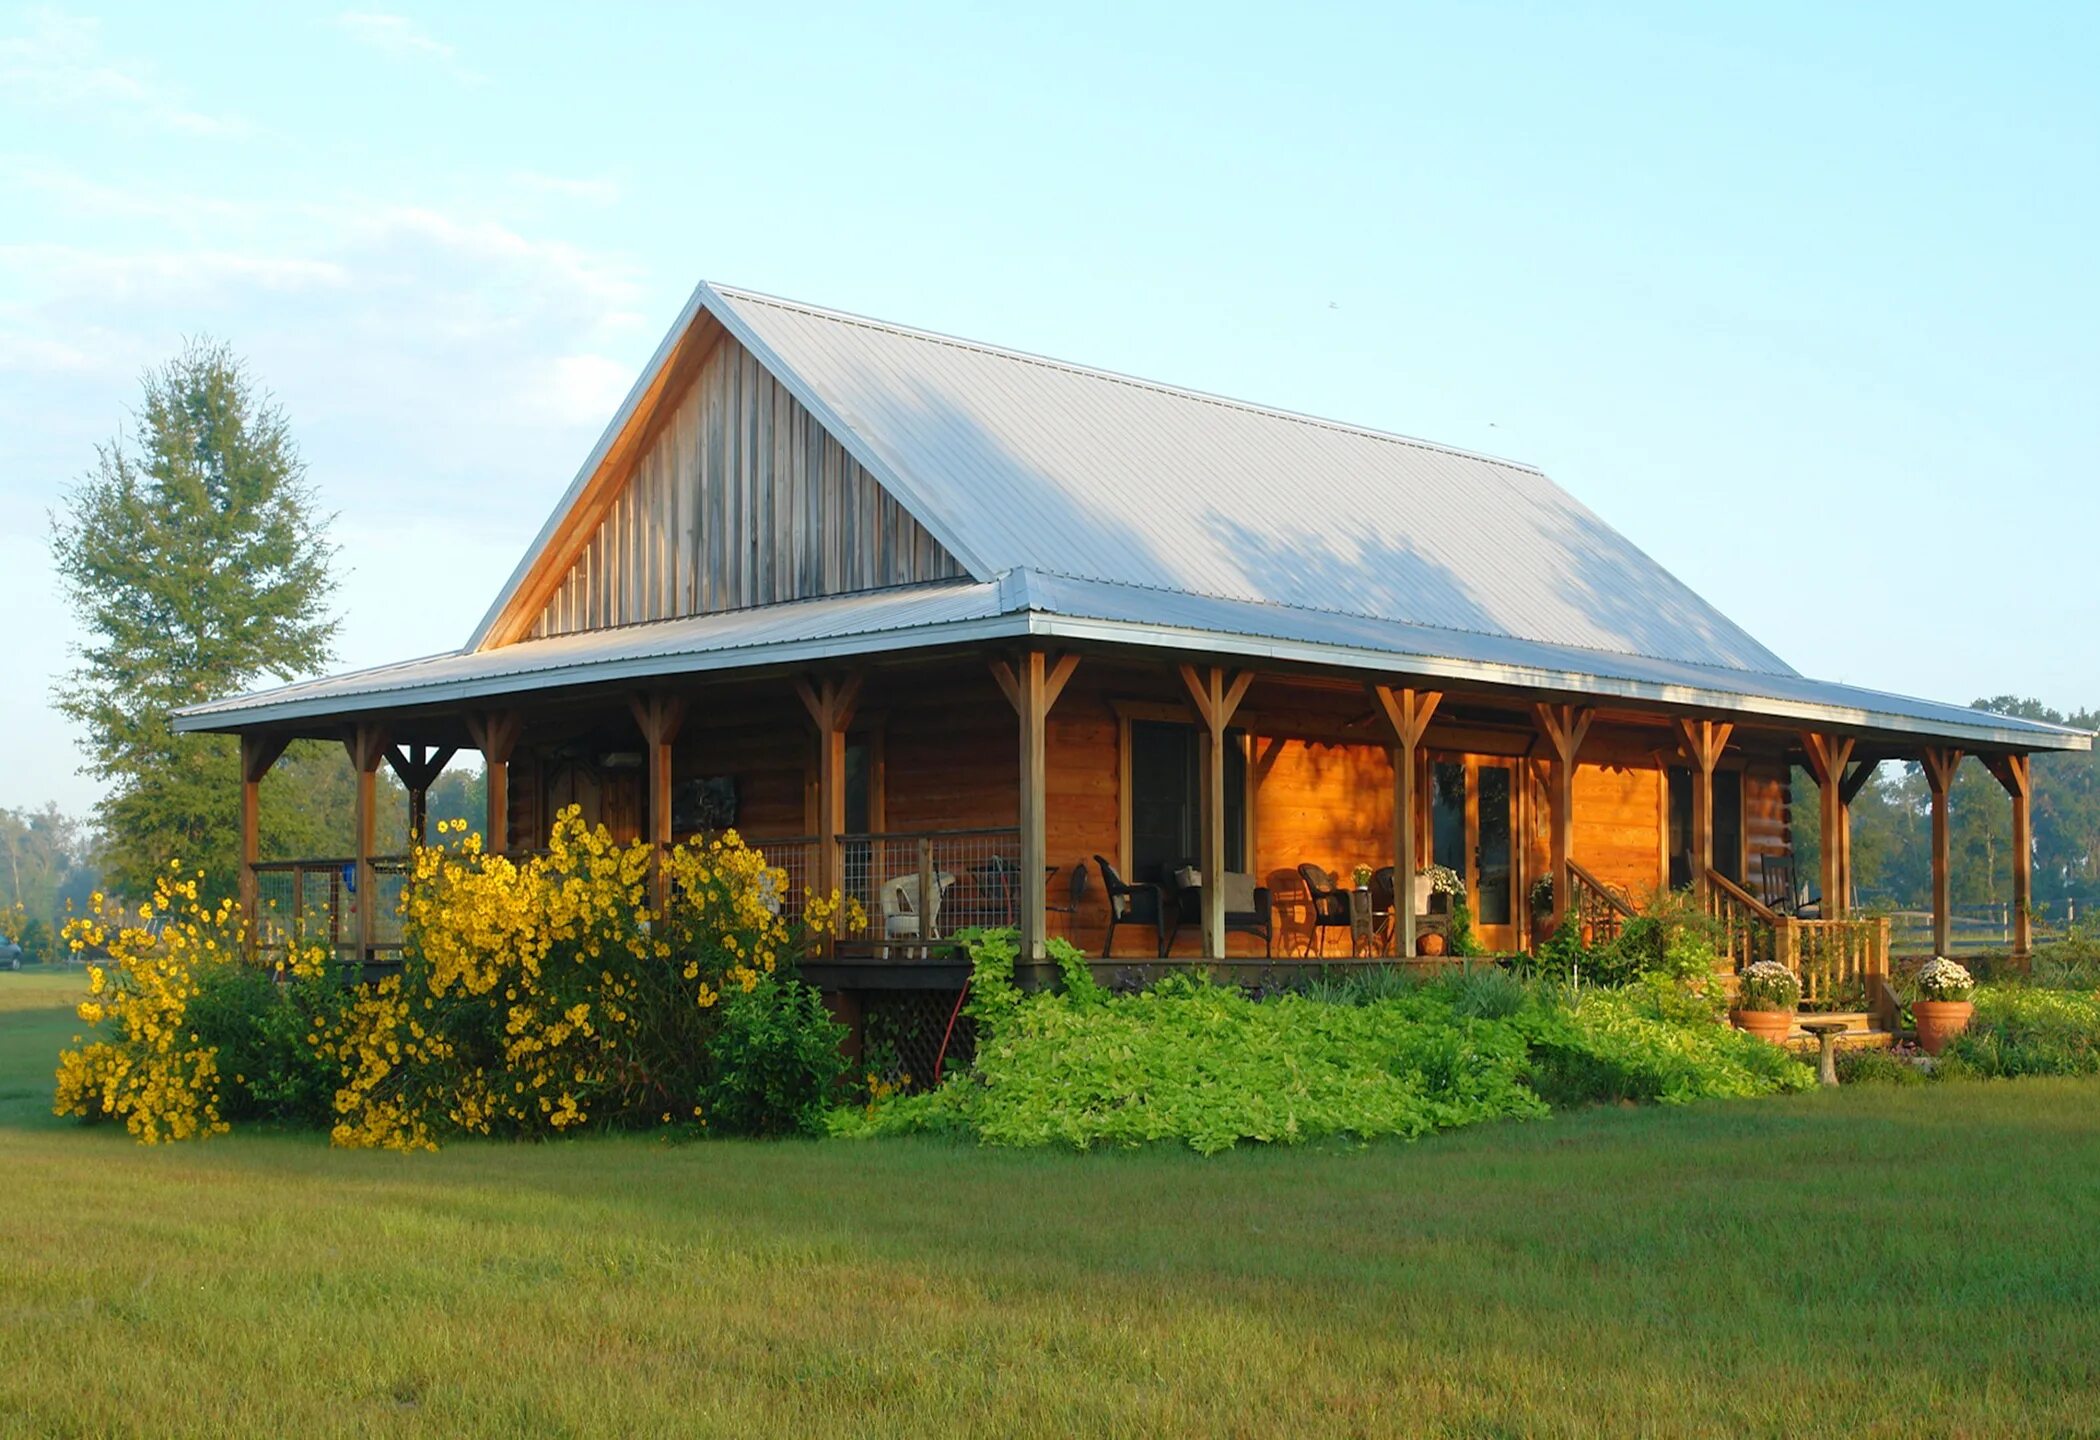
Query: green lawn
1917	1261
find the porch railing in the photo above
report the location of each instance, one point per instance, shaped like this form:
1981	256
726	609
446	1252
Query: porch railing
1599	910
317	902
1842	964
1749	927
973	876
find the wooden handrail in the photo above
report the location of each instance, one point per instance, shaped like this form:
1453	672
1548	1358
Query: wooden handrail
1604	892
1742	897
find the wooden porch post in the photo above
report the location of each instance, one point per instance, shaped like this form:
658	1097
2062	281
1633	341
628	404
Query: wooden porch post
1940	764
659	718
367	747
496	733
1407	714
1848	791
417	768
1704	741
1828	755
1032	687
831	702
1564	727
2016	774
1215	694
258	754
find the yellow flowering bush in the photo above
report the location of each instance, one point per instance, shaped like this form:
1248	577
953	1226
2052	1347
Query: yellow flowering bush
548	994
160	1061
535	997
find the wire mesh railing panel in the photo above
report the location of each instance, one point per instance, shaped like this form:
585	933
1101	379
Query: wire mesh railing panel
316	902
796	857
921	887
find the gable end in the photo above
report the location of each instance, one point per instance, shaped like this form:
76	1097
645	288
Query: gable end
740	497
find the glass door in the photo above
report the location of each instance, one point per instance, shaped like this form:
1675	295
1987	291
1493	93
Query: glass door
1472	829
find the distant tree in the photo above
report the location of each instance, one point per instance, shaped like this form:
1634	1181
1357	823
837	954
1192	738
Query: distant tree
196	559
45	857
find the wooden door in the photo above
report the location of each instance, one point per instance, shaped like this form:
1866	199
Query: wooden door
1473	830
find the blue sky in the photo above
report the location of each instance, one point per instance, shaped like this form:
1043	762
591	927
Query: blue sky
1802	298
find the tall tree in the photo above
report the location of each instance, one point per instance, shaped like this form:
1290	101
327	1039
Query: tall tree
197	561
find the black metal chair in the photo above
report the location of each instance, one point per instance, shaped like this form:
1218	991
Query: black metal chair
1140	904
1330	907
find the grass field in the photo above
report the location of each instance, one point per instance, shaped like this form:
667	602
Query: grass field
1866	1262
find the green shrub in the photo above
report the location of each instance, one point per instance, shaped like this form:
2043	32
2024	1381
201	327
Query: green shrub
1859	1066
1483	993
261	1022
2071	963
1362	987
775	1061
1369	1055
2023	1030
36	942
1654	1040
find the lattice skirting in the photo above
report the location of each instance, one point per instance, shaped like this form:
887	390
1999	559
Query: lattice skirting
901	1034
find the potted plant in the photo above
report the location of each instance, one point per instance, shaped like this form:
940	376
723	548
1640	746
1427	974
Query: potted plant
1437	888
1765	998
1363	877
1943	1008
1541	894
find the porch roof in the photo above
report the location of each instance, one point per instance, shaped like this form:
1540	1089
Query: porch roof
1026	603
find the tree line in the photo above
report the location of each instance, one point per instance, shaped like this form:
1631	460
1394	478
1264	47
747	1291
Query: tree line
1892	828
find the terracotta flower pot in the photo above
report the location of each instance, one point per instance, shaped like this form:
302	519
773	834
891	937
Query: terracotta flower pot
1772	1025
1430	943
1940	1021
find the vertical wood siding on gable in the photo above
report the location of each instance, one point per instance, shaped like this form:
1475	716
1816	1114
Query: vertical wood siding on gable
742	498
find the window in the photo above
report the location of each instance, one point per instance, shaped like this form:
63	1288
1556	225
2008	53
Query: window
1166	787
1728	826
860	785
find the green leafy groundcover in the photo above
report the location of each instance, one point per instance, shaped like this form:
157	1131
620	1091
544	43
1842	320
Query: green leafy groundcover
1209	1066
2023	1030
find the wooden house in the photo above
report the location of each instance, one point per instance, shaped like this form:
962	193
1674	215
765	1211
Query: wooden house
928	618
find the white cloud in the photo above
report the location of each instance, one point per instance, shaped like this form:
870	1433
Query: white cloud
59	62
161	273
403	39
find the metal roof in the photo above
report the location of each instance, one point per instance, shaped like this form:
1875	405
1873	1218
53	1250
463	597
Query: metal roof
1016	462
1093	506
1028	604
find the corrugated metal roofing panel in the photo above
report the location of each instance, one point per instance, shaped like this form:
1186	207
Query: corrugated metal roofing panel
1024	603
1025	463
1322	637
805	630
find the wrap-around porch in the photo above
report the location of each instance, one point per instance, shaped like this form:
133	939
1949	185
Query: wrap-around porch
1088	793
